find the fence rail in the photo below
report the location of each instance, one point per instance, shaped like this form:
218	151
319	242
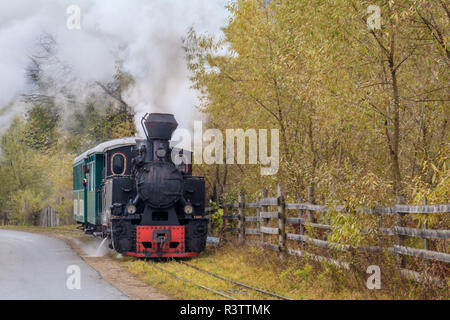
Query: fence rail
307	214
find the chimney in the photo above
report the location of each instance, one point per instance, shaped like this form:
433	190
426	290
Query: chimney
159	126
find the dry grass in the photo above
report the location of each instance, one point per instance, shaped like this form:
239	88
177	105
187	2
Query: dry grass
293	277
67	230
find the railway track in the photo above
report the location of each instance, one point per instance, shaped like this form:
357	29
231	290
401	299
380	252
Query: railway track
217	292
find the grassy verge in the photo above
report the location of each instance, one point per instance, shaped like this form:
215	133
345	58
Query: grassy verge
67	230
293	277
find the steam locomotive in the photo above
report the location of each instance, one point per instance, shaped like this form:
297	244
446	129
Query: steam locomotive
133	193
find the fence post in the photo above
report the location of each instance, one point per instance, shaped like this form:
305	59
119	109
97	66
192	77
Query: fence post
263	221
53	217
258	215
380	225
225	222
302	226
281	222
328	219
426	242
424	225
400	238
311	200
241	218
46	217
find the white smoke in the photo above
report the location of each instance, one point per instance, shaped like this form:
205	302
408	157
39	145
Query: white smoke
146	35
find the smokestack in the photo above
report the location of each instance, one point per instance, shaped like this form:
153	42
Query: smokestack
159	126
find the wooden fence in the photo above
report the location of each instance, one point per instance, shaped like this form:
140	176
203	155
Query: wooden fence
275	221
48	217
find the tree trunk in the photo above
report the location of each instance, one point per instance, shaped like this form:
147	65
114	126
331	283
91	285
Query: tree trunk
396	175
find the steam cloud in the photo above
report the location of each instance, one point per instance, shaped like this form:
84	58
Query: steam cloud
146	35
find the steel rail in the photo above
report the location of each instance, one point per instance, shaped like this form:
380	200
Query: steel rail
236	282
194	283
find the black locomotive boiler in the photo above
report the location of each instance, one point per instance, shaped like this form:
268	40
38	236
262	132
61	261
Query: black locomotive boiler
131	192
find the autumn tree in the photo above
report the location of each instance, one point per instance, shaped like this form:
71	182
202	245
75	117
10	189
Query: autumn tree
350	101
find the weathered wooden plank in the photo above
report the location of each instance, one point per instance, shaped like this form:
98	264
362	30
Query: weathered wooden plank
386	231
381	210
270	214
317	242
212	240
253	219
268	202
424	254
308	206
252	231
252	205
318	225
312	207
433	208
423	233
230	230
233	217
295	221
296	237
269	230
318	258
327	244
436	208
306	223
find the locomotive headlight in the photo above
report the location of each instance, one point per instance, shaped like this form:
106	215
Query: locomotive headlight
131	209
161	153
188	209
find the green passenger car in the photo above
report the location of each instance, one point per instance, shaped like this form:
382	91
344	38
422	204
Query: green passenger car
88	179
87	185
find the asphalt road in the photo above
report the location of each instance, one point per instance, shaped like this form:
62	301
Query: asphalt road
34	266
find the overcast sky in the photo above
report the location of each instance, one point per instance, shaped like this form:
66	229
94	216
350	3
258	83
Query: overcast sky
145	34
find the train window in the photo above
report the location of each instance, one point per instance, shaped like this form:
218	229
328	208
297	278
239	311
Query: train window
118	163
91	182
